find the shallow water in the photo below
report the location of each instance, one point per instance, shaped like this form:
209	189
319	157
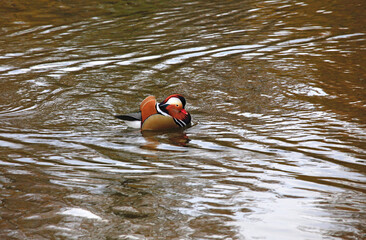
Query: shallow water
277	94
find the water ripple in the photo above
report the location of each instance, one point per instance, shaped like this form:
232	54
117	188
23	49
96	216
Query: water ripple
276	94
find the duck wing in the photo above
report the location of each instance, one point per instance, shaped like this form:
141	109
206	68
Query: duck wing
130	116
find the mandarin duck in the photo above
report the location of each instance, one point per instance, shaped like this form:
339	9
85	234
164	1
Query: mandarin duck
168	114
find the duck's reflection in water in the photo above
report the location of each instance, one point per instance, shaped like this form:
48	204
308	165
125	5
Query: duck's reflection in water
166	140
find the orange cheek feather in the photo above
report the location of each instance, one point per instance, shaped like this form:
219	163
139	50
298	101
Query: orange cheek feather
177	113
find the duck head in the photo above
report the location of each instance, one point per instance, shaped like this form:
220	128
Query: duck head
174	106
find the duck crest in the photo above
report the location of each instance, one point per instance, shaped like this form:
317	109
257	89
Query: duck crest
180	97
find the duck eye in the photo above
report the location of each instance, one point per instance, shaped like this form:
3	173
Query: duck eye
176	105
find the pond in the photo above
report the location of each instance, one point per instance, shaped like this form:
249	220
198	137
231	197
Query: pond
277	94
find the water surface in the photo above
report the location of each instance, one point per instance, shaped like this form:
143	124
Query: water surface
277	94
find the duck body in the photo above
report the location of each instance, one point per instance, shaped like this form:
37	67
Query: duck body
169	114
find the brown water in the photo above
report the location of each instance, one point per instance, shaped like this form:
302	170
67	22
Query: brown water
277	94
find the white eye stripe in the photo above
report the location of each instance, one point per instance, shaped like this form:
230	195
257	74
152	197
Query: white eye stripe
174	101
